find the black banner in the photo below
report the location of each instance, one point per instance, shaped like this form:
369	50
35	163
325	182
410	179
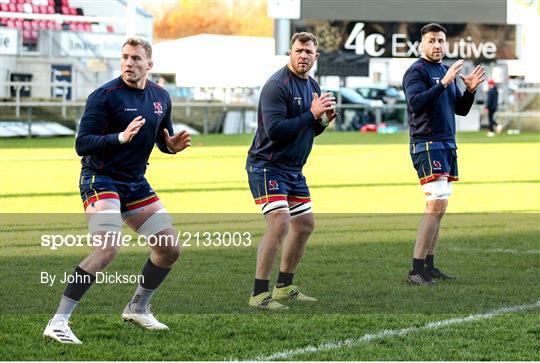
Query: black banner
401	40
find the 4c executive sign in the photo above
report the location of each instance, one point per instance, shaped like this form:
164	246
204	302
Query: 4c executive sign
402	40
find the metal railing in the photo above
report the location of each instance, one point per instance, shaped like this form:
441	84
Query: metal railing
376	114
63	102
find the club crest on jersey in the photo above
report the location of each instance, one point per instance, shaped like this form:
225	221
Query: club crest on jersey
273	185
436	165
158	110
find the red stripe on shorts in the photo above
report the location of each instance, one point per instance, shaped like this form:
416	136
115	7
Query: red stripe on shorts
100	196
143	203
432	178
299	199
269	199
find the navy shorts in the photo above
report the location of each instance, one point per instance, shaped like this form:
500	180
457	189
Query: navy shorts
131	195
273	185
432	164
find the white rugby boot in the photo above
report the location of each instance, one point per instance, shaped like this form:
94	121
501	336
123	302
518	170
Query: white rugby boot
60	331
144	318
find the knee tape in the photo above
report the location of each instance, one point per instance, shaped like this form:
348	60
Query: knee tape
300	209
105	220
157	222
438	189
275	206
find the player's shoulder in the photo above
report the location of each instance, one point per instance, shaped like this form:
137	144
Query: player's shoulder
112	86
418	68
154	87
282	75
419	64
100	94
277	81
103	91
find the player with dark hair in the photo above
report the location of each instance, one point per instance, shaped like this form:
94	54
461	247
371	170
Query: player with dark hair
291	113
433	99
122	121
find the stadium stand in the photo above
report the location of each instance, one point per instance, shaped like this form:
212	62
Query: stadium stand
54	53
30	28
43	34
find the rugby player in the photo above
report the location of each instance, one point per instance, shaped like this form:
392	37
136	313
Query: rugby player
433	99
122	121
291	113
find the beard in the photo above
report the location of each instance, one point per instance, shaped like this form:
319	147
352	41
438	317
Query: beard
435	60
302	68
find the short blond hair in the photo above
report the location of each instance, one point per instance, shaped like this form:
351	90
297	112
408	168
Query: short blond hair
136	41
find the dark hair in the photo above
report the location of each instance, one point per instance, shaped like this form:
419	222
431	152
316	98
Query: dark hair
136	41
304	37
432	27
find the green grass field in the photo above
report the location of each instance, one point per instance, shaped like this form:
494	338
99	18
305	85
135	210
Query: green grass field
367	199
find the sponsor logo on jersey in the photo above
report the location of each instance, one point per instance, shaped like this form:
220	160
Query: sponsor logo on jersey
129	109
158	110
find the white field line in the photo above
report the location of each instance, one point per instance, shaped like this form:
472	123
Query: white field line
496	250
287	354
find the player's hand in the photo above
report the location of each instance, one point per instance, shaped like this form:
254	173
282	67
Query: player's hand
473	79
133	128
320	105
452	73
178	142
331	115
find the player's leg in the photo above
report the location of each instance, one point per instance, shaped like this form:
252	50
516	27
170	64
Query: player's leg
154	223
293	250
277	226
433	169
301	227
436	203
102	209
270	193
450	156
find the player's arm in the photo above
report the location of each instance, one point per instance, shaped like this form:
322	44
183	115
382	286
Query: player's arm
419	96
91	137
319	127
166	123
464	101
274	113
175	143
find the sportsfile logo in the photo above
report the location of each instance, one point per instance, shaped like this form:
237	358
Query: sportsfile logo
119	239
374	44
